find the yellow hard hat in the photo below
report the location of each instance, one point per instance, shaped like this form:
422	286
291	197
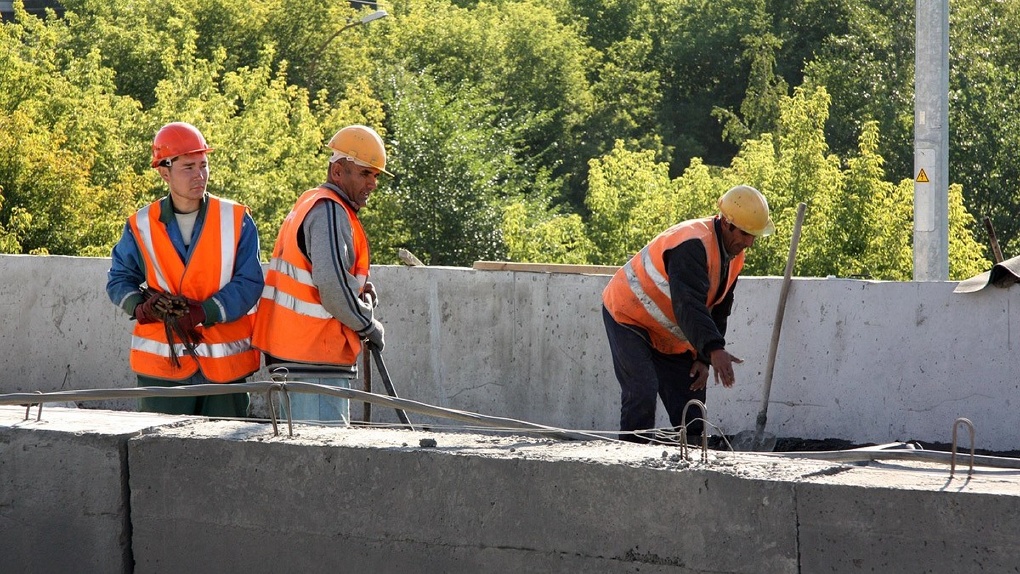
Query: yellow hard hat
360	144
745	207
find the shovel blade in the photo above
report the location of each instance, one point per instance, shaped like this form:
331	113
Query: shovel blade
752	441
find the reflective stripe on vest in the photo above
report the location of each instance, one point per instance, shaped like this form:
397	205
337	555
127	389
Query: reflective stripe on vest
210	350
225	353
291	323
639	292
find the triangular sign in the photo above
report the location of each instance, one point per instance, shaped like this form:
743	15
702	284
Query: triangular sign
922	177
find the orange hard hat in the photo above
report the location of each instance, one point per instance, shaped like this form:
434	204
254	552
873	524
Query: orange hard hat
360	144
176	139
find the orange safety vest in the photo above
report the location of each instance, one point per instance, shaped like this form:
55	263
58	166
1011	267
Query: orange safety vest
291	323
638	294
225	353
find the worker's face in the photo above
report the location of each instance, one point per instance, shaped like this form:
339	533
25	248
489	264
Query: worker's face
735	240
187	177
358	182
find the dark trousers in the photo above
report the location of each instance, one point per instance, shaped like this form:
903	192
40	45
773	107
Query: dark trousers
234	405
645	375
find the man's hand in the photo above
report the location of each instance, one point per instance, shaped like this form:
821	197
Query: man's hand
194	317
151	310
376	335
722	364
699	372
368	295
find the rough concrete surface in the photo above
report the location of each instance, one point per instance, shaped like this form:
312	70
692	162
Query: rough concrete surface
333	499
108	491
64	489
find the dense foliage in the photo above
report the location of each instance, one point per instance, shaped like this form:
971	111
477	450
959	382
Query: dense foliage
567	132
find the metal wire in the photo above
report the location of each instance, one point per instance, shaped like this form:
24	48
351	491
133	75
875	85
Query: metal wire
285	387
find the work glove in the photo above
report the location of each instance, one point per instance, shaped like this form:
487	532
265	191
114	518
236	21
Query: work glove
369	295
151	310
194	317
375	335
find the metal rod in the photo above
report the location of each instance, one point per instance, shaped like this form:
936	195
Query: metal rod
298	387
366	366
377	354
996	252
704	429
970	427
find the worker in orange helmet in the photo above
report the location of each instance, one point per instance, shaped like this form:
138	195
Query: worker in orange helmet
666	310
318	304
202	252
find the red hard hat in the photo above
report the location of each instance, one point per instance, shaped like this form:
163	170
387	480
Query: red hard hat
176	139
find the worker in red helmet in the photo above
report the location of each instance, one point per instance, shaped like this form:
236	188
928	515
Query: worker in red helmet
198	255
318	304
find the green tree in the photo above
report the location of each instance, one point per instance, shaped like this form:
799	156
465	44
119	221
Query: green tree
869	70
526	68
984	128
558	238
858	224
64	144
447	189
760	108
628	197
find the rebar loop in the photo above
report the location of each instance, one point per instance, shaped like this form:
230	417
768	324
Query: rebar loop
28	409
704	429
279	375
970	427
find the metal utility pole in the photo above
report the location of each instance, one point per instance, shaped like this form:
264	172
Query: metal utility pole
931	141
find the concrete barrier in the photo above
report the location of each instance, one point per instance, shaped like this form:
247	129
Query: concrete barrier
104	491
64	489
862	361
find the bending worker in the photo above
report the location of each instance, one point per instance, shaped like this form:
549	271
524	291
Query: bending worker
665	312
198	256
318	303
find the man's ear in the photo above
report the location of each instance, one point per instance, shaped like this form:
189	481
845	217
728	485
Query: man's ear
164	172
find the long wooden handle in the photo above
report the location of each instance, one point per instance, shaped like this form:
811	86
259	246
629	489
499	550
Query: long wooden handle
777	325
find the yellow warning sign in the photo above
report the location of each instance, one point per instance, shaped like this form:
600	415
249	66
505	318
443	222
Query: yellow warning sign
922	177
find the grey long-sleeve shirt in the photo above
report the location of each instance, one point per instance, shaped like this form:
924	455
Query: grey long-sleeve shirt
326	237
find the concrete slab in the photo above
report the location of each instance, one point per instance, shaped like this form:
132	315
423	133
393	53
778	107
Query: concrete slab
63	489
212	495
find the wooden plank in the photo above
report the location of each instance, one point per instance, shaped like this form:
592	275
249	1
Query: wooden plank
544	268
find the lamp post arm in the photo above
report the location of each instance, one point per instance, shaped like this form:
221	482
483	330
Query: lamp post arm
337	33
350	24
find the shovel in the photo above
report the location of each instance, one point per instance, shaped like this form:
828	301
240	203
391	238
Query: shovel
758	440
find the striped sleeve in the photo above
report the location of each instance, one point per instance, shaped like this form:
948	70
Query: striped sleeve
329	245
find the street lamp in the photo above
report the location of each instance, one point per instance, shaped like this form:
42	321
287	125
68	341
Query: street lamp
350	24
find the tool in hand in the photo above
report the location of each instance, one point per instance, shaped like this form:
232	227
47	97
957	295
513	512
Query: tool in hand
377	355
170	309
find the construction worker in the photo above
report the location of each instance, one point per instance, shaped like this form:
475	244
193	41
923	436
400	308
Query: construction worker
318	303
665	312
198	256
